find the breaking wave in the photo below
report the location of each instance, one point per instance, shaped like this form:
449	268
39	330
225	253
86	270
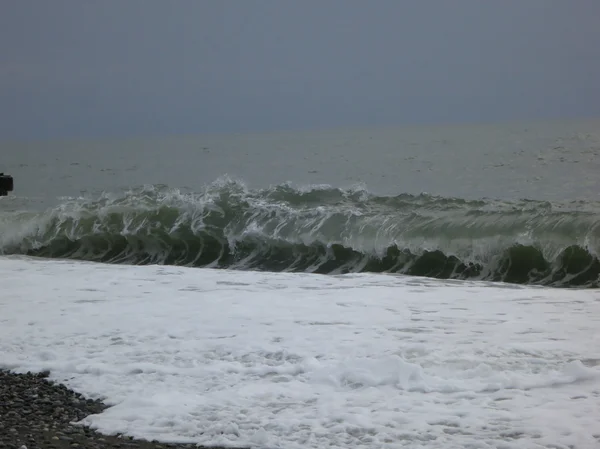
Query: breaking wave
321	230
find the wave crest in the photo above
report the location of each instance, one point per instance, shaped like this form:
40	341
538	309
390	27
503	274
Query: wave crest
319	229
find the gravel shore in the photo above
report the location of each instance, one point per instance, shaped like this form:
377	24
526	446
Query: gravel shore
36	413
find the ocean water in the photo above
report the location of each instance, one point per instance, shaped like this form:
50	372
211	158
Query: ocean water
516	203
384	287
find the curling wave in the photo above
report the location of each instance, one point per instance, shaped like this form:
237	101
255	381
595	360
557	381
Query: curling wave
319	229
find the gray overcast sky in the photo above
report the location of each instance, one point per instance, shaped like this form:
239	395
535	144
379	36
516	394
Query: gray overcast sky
136	67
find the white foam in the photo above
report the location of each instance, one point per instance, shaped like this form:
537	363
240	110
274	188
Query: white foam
308	361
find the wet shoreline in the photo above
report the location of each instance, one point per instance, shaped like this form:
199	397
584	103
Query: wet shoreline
38	413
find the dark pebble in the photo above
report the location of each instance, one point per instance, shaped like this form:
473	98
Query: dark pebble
37	413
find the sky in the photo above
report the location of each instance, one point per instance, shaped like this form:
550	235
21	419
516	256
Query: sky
84	68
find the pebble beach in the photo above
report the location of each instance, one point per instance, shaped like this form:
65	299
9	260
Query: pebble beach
37	413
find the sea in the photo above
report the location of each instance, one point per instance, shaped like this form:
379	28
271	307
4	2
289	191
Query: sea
378	287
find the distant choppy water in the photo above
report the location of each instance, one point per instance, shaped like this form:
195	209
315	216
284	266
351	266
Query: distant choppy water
516	203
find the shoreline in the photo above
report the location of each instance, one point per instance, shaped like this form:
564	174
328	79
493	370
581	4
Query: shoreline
38	413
